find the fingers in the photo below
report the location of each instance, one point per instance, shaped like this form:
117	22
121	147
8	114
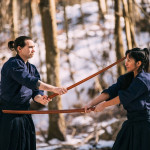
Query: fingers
62	90
87	109
49	100
46	97
45	100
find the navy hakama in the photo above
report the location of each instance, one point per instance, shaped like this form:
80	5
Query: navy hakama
135	132
17	132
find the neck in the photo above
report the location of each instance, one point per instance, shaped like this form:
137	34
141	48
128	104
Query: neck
23	58
135	73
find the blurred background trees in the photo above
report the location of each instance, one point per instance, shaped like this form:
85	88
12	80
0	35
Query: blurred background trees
40	19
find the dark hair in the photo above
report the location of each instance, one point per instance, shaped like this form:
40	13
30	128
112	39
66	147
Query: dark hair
20	41
142	55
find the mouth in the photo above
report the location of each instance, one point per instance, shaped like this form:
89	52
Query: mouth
32	54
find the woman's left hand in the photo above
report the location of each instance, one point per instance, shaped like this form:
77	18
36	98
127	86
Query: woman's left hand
100	107
42	99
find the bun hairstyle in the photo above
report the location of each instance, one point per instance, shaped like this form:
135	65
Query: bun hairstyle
11	45
142	55
20	41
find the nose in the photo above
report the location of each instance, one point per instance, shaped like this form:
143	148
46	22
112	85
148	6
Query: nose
33	50
126	63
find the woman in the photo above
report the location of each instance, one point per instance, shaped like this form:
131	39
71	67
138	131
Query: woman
20	81
133	91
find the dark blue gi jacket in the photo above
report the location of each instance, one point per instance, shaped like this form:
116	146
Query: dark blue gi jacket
136	96
18	82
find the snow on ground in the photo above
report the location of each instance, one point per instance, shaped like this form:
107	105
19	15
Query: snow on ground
103	143
77	141
81	120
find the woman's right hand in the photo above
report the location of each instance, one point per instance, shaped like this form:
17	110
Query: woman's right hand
60	90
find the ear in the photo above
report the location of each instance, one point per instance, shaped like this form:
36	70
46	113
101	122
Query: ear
139	63
19	48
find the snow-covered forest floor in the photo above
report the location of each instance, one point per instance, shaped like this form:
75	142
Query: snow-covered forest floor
84	131
92	47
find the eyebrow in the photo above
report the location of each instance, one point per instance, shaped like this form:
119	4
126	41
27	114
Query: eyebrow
128	58
32	46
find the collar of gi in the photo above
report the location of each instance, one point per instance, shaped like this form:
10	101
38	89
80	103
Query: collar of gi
17	56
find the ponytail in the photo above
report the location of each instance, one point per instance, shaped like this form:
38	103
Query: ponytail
11	45
146	59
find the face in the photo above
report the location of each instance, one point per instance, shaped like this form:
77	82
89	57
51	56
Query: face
131	65
27	51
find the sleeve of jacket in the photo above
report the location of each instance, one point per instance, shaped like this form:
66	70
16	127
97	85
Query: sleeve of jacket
19	73
113	90
136	89
36	91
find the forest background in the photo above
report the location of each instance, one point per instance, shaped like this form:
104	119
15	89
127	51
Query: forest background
74	39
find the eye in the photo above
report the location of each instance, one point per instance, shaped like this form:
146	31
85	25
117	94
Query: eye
31	46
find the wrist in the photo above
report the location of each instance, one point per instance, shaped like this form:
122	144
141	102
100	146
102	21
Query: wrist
36	98
53	89
104	104
89	104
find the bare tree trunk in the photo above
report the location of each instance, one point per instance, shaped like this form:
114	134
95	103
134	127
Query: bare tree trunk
118	37
143	4
15	27
132	22
34	8
1	18
82	14
127	24
56	121
29	12
101	9
137	15
35	12
5	14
